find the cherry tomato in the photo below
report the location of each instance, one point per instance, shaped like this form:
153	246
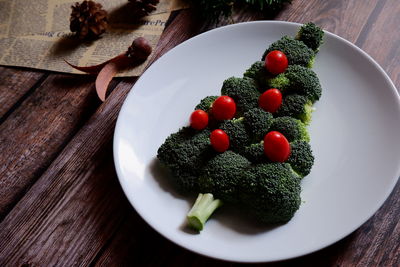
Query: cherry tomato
199	119
276	62
219	140
270	100
224	108
276	146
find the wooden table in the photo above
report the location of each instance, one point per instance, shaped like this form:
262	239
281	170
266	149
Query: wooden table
60	200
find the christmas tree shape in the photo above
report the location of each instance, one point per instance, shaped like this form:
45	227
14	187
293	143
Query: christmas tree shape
250	171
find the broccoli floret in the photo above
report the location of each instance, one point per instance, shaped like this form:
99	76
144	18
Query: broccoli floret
206	103
255	153
222	175
301	157
311	35
257	122
259	73
298	80
238	136
293	129
304	81
296	106
173	141
279	82
271	191
296	51
202	209
243	91
184	153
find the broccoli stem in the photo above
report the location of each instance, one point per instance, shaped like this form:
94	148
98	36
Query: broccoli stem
202	209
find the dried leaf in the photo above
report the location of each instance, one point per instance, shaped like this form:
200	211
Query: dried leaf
95	68
108	72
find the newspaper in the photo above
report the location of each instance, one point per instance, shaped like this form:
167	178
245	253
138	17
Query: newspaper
36	34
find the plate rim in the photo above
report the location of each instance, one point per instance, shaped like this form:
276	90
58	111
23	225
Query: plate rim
373	210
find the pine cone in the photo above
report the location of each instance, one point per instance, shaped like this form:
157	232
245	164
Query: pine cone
88	19
144	7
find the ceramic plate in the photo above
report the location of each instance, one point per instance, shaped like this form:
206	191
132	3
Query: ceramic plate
354	136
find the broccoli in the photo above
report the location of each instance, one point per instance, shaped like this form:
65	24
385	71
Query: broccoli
222	175
184	153
257	122
301	158
280	82
296	51
293	129
271	192
173	141
311	35
296	106
304	81
202	209
298	80
243	175
238	136
255	153
259	73
206	103
243	91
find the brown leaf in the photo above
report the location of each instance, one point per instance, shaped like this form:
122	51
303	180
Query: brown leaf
108	72
95	68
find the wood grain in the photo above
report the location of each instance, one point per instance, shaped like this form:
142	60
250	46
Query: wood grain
53	221
38	129
345	18
15	83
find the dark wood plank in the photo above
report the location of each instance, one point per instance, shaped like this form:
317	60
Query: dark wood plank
73	209
382	39
345	18
15	83
38	129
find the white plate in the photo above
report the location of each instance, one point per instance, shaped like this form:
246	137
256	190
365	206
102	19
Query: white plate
354	135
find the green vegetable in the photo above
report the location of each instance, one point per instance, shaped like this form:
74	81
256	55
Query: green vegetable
222	176
301	157
296	106
298	80
184	153
271	192
243	175
311	35
243	91
304	81
296	51
202	209
206	103
259	73
255	153
279	82
293	129
238	136
257	122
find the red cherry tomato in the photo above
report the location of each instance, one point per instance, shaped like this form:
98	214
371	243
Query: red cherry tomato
224	108
199	119
219	140
276	62
276	146
270	100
